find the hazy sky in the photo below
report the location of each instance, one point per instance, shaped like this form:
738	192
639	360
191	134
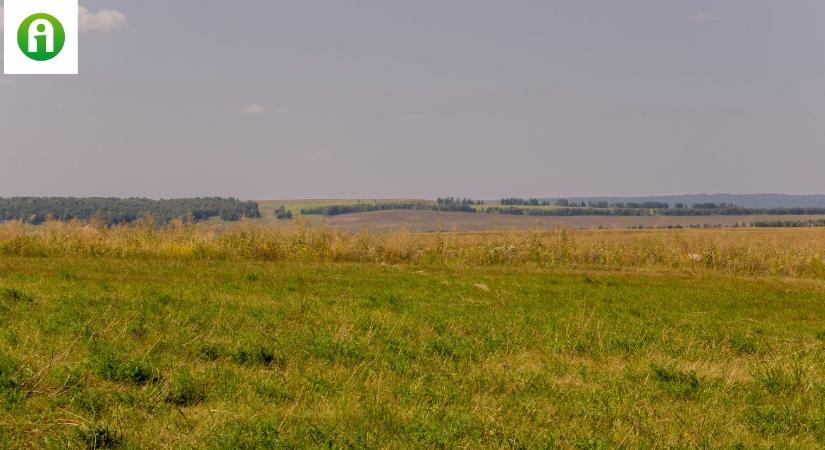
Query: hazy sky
420	98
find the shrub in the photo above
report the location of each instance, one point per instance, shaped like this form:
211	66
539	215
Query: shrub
282	213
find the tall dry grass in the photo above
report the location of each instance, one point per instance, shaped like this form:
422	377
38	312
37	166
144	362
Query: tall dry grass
779	252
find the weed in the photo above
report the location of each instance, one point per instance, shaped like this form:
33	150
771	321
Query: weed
683	385
252	276
137	329
129	370
743	345
210	352
68	276
260	355
771	420
11	380
779	379
98	436
253	434
15	295
275	391
92	402
184	390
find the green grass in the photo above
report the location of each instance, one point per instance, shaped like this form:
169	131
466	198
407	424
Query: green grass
99	353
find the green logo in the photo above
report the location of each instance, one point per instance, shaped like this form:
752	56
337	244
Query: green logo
41	37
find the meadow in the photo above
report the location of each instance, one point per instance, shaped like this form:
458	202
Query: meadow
430	221
256	337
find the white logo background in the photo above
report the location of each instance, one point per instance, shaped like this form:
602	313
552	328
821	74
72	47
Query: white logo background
15	12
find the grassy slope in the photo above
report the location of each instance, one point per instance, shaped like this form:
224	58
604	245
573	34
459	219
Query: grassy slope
268	207
225	354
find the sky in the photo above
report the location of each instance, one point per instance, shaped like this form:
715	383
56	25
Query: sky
389	99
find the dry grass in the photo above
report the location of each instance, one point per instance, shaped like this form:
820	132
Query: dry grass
794	253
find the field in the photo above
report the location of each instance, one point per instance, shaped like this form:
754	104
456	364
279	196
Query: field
178	338
422	221
426	221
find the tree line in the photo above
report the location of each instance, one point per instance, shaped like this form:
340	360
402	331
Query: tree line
112	211
522	207
789	223
452	204
565	203
684	211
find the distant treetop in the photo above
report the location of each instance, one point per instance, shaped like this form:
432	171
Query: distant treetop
111	211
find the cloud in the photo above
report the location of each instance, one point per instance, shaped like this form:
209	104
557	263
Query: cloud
257	109
319	156
254	109
104	20
705	17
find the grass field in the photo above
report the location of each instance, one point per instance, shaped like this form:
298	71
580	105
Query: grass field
425	221
174	350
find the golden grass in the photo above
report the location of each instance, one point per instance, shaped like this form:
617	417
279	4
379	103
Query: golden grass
752	252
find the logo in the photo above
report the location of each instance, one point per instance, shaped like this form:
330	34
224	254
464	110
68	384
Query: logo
41	37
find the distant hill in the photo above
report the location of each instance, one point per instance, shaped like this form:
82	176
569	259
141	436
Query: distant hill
744	200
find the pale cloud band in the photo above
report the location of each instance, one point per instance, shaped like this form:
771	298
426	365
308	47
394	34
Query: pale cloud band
104	20
256	109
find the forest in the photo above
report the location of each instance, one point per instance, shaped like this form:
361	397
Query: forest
36	210
451	204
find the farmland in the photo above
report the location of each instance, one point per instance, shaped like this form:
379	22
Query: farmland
389	221
422	221
393	215
139	338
